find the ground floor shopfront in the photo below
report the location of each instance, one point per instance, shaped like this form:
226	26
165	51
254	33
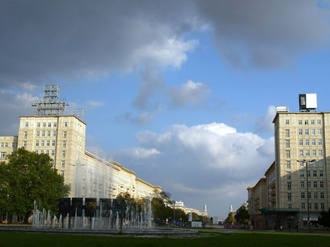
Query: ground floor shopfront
284	219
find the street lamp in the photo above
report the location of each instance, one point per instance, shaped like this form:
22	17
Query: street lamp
306	162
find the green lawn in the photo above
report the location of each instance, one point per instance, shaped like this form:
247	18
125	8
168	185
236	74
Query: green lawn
239	239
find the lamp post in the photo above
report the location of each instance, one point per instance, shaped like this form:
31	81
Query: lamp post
306	162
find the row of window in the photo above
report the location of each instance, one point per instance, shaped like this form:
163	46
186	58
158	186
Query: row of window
305	153
51	152
48	124
316	195
315	173
305	131
317	206
316	184
305	122
48	143
5	144
47	133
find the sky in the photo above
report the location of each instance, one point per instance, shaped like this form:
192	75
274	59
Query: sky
181	92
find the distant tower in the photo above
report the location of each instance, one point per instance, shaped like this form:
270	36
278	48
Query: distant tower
50	105
231	209
205	210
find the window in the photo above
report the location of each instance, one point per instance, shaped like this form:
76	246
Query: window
314	153
302	184
302	205
300	122
301	143
42	143
309	195
313	142
313	122
287	133
306	122
55	124
313	132
63	144
309	184
43	133
322	195
287	143
26	124
288	176
316	206
290	205
309	174
24	144
37	143
44	125
314	173
319	122
302	195
288	164
53	152
315	184
63	163
53	143
54	133
320	152
321	173
321	184
289	197
319	131
301	152
49	125
307	153
38	124
307	142
289	185
316	195
64	134
63	154
320	142
302	173
288	154
3	155
38	133
306	131
300	132
287	121
25	134
48	143
322	205
48	133
65	124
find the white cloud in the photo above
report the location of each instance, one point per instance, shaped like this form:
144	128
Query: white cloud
191	162
189	94
265	123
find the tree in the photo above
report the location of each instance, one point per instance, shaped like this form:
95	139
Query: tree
26	178
324	220
230	219
242	215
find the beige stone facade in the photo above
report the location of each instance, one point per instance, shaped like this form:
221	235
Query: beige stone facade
301	170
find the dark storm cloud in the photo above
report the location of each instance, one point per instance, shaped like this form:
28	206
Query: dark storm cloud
265	34
41	39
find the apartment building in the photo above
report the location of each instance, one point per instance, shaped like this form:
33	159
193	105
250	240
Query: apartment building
301	169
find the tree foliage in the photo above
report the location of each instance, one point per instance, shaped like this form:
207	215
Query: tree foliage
26	178
230	219
242	215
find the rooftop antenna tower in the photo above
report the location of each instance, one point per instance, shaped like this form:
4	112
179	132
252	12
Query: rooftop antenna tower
50	104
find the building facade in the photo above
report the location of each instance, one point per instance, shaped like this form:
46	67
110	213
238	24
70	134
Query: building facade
296	184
